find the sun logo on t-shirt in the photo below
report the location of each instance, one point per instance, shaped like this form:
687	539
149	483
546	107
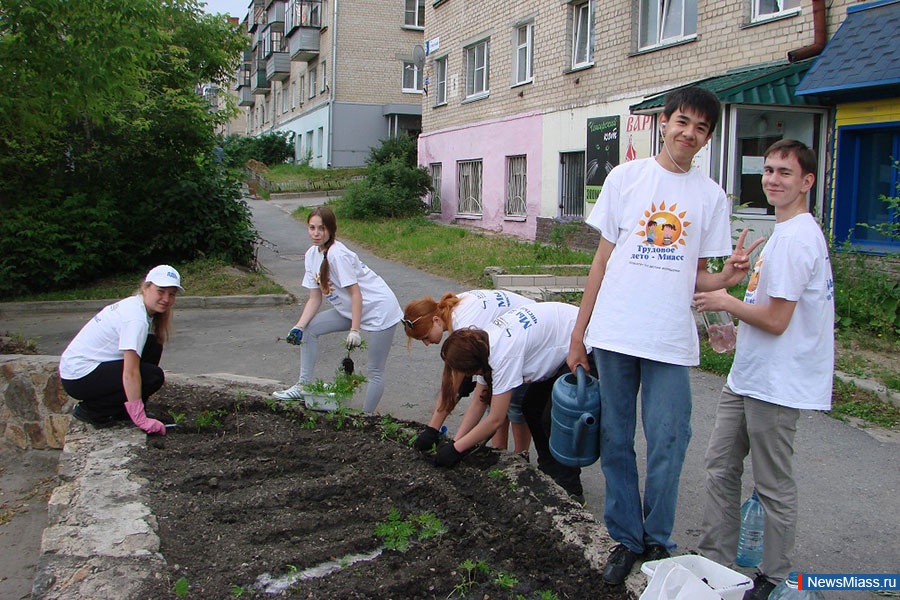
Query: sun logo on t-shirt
661	226
330	289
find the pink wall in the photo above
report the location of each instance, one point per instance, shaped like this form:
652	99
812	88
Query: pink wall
491	142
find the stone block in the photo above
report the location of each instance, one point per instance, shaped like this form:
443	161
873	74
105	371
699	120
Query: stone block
16	435
35	433
21	399
55	428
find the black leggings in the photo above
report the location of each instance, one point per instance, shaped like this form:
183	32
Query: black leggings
101	391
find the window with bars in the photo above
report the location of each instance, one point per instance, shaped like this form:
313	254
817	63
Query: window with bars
468	188
440	81
414	15
767	9
477	82
436	176
666	21
523	58
571	177
582	34
515	186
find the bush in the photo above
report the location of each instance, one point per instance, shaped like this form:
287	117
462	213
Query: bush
270	148
394	186
866	299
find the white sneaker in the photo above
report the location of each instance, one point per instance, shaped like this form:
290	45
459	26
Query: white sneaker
295	392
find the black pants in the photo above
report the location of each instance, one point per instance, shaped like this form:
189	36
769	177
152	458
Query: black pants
101	392
536	407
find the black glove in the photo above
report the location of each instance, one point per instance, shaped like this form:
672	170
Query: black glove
447	456
427	439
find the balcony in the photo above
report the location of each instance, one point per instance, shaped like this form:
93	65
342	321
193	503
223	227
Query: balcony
303	13
259	83
278	66
245	97
303	44
275	16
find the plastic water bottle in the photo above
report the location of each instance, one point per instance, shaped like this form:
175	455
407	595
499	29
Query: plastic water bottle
443	432
787	590
750	543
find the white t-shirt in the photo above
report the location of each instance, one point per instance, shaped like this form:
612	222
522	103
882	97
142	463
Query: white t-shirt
380	308
529	343
477	308
795	368
118	327
643	308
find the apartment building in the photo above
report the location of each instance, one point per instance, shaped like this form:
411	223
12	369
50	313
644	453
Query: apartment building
339	75
530	103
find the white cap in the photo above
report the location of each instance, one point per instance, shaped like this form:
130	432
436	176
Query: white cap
164	276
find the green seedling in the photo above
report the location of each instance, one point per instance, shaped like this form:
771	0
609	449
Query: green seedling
395	532
177	417
209	418
430	526
272	403
504	579
181	588
310	421
547	595
499	475
390	428
237	591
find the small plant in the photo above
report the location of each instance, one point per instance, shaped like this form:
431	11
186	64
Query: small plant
504	579
342	388
310	422
13	343
390	428
547	595
181	588
209	418
272	403
237	591
500	475
177	417
395	532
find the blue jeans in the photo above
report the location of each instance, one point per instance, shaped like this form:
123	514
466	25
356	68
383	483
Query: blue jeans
666	418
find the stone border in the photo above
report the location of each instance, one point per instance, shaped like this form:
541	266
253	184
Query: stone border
68	306
34	408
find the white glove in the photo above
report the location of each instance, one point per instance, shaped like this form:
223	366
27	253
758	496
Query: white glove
353	339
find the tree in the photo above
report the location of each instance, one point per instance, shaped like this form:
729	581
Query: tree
105	148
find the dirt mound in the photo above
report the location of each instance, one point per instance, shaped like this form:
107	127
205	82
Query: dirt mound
261	501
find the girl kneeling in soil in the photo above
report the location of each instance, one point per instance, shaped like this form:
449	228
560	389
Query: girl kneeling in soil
112	365
427	321
526	344
359	298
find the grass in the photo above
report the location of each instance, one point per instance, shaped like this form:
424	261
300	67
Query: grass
202	277
307	177
449	251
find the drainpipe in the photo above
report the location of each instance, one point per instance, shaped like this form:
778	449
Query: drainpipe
819	35
331	92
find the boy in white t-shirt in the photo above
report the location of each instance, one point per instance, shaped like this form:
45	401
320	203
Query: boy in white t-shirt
636	314
783	362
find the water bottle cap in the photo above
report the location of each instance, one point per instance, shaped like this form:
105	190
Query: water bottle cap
792	579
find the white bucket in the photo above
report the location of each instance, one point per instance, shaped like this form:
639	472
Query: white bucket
729	584
326	403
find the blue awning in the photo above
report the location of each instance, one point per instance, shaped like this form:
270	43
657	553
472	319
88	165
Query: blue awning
864	53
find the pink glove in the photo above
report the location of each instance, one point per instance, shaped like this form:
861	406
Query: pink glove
135	410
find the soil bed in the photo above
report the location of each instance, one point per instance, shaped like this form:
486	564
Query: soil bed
251	508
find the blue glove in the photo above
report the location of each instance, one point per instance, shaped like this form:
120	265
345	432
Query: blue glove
294	336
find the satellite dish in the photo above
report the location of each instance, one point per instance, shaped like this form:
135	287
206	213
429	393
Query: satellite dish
419	55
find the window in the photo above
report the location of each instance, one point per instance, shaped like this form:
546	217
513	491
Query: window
440	81
324	78
285	100
867	172
666	21
523	59
294	94
320	141
302	87
312	82
766	9
415	13
435	169
582	34
469	187
477	69
412	78
571	177
515	186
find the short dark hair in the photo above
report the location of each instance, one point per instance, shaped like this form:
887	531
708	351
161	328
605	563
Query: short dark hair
788	147
697	99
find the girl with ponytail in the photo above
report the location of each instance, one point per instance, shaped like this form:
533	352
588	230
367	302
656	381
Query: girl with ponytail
427	321
360	301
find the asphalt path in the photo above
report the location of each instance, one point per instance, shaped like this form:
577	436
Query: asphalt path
848	478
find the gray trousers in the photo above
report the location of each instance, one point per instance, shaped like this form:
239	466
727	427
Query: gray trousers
766	431
378	344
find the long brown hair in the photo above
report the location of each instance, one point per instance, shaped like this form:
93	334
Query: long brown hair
421	312
160	323
329	221
465	352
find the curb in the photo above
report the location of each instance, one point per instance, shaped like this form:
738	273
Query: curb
70	306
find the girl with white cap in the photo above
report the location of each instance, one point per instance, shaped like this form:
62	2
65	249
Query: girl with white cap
112	365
